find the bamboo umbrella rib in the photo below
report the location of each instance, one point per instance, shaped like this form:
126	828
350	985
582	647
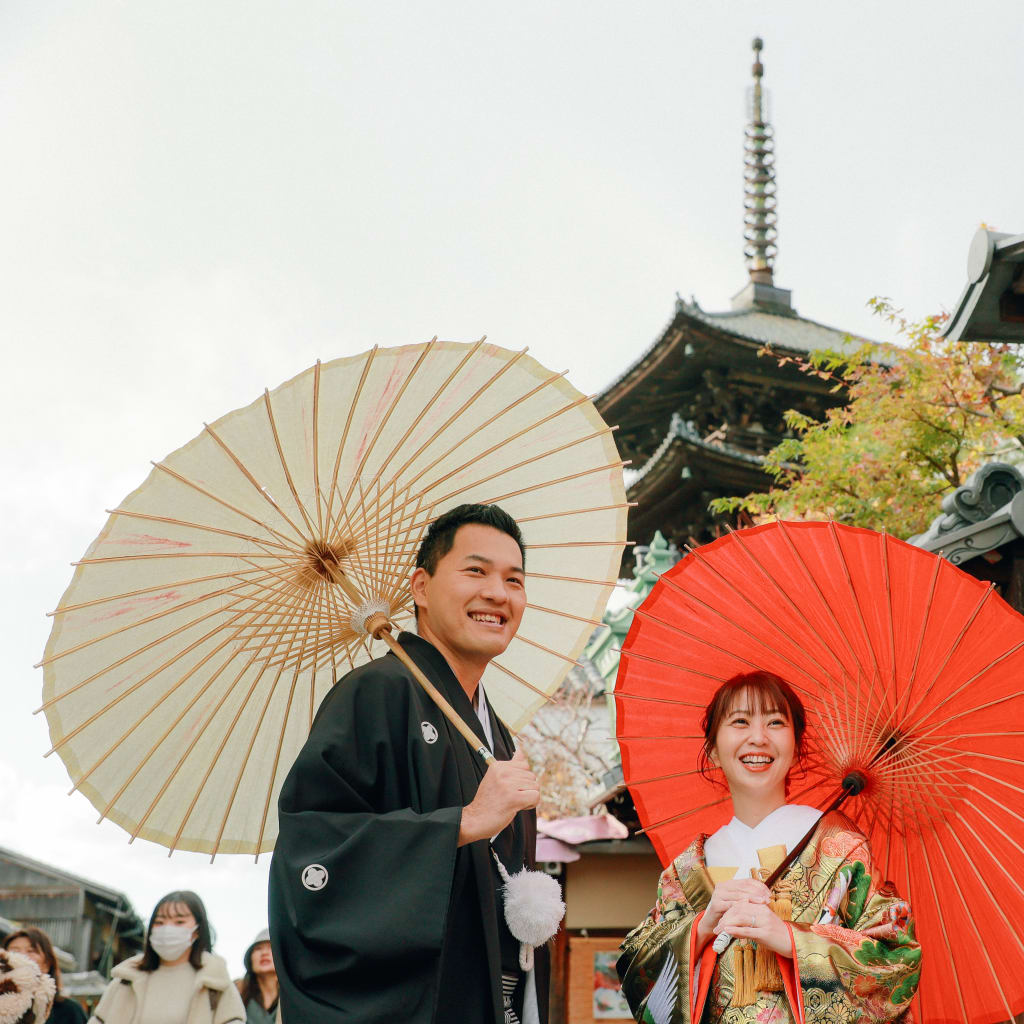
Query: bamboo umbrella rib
795	552
674	584
981	943
656	700
244	470
679	817
154	555
394	403
128	732
348	425
908	717
646	739
888	599
646	616
132	654
271	690
199	733
165	696
687	773
993	824
321	610
174	724
220	750
63	609
504	470
486	455
737	536
437	393
267	405
912	679
154	617
355	552
1013	882
547	483
580	544
201	527
439	432
564	615
576	512
978	707
277	757
316	449
675	666
855	601
455	416
141	650
135	686
519	679
373	536
547	650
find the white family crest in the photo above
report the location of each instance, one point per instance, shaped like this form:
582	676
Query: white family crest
429	732
314	877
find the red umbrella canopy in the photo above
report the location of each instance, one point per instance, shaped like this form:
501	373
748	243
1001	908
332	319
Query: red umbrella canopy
911	671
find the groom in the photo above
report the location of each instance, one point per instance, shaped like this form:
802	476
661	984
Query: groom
385	900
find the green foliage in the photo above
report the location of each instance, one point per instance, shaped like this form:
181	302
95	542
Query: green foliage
921	416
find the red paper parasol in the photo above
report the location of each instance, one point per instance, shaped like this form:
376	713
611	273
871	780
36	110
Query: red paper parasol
912	672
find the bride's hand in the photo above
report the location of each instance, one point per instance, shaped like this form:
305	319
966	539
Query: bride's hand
747	891
756	921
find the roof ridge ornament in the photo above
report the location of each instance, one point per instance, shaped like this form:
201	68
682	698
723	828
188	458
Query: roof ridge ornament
759	217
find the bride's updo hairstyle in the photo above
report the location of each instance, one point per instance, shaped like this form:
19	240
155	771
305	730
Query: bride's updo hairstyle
759	691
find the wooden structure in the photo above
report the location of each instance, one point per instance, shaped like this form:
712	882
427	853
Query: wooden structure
701	407
97	926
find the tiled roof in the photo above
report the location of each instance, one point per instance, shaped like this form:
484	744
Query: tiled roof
777	329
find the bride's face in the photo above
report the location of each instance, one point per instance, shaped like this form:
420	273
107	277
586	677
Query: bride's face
755	748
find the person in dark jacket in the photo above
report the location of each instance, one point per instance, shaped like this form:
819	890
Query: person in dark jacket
36	945
385	899
259	988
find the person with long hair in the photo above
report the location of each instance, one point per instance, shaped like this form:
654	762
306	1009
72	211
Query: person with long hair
258	988
177	979
831	942
36	945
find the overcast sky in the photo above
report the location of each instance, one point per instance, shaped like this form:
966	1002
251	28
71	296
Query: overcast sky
201	198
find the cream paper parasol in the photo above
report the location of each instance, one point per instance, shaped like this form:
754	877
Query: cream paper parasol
253	567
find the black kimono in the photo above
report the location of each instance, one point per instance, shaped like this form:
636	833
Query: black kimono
376	913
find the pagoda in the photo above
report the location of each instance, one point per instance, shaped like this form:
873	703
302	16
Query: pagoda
698	411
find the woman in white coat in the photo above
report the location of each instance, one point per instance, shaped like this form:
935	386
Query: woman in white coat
177	979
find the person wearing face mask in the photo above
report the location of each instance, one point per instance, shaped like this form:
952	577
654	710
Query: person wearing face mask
177	979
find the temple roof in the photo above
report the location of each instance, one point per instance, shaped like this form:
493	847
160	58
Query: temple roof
790	332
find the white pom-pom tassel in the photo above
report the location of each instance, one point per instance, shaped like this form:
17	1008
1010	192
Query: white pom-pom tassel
533	909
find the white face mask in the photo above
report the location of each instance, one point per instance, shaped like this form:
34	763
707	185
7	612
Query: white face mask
171	940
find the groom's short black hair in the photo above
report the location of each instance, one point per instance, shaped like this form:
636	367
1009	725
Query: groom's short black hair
440	535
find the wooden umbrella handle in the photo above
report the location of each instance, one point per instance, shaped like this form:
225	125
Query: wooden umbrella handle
383	632
378	625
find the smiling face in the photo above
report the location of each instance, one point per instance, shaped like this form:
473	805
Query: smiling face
471	606
24	945
755	746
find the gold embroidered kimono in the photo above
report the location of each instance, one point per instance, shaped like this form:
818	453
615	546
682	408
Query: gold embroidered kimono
854	953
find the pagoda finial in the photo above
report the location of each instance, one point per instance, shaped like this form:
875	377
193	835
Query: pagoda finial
759	189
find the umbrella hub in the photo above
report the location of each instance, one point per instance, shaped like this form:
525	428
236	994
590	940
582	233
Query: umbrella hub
322	561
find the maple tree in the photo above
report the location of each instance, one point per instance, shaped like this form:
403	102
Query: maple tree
920	417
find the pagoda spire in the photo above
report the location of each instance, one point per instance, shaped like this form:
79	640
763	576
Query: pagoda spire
759	216
759	190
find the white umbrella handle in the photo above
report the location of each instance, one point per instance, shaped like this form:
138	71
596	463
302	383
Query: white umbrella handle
721	941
